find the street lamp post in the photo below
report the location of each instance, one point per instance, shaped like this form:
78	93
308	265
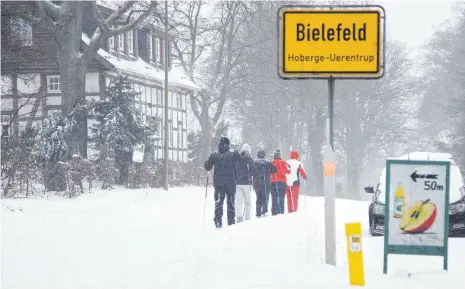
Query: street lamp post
166	98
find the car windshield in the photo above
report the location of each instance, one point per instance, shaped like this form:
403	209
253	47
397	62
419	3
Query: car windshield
456	182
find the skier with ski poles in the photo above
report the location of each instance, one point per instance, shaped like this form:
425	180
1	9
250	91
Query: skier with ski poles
224	180
279	184
293	182
261	171
243	177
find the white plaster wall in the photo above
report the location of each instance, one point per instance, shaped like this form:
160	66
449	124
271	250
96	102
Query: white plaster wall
92	82
7	104
53	100
28	83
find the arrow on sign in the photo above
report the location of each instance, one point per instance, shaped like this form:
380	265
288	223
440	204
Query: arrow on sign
416	176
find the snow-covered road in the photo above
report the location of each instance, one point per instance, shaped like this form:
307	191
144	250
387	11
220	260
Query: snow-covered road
150	238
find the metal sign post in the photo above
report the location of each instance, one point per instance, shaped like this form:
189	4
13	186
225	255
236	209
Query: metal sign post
417	209
329	42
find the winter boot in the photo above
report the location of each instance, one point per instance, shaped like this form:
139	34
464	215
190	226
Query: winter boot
239	219
218	225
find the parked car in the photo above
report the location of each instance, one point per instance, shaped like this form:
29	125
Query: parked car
456	195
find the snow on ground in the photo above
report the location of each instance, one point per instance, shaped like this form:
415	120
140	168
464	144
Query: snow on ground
155	239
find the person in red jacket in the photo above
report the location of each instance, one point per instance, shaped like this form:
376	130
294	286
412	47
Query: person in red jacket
278	184
293	182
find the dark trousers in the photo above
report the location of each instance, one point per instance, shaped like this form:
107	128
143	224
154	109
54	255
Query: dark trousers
263	196
278	194
222	191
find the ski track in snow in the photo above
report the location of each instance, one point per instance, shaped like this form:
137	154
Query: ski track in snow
150	238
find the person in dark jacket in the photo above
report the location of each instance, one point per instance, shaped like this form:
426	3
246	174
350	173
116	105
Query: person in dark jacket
243	184
262	169
224	179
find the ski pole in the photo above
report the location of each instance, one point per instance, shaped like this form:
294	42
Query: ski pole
205	202
266	195
305	196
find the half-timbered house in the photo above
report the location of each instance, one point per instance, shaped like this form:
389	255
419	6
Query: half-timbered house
32	89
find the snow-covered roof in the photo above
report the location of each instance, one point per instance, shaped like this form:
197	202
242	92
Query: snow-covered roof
142	69
426	156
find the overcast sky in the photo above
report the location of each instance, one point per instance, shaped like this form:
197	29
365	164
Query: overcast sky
414	21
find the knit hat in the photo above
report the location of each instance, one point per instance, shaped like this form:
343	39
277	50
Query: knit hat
246	148
261	153
223	146
294	155
224	141
277	154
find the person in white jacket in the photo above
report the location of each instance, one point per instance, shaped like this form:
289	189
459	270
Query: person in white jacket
243	169
293	182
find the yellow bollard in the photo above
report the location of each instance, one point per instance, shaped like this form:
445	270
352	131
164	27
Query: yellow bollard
355	254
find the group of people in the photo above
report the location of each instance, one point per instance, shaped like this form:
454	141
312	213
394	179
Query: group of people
235	173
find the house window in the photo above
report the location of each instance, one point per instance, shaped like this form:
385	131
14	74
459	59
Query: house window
173	95
23	30
111	43
54	84
170	130
180	135
158	50
6	125
159	97
159	128
151	46
179	100
121	43
130	40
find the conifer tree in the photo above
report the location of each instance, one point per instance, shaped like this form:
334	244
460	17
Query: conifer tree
120	126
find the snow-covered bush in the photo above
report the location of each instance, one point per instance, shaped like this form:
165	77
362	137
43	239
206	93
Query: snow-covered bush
51	148
139	176
107	173
19	171
180	174
78	171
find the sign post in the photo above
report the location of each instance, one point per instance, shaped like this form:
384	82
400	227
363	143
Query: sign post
355	254
329	173
417	209
331	42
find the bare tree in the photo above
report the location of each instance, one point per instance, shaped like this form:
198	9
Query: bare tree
64	23
278	113
373	115
218	73
443	103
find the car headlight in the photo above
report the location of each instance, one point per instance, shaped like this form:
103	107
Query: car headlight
457	208
378	209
